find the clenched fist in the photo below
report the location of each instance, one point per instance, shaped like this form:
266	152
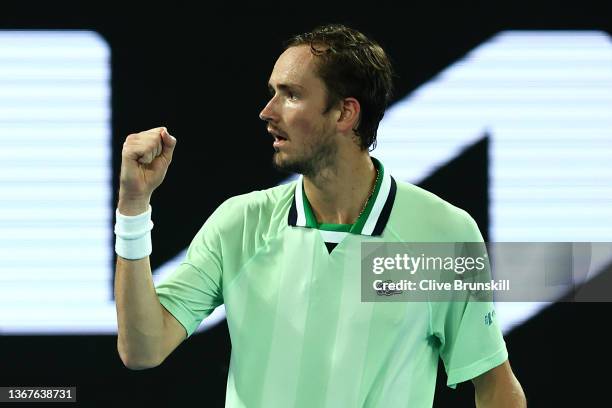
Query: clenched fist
144	161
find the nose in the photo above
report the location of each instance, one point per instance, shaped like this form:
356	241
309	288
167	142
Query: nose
268	113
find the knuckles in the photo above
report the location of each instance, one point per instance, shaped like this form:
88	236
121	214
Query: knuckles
152	134
131	137
145	144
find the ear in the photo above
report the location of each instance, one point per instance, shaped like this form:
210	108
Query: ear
349	114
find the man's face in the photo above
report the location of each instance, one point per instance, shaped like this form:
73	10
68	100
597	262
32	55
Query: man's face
304	136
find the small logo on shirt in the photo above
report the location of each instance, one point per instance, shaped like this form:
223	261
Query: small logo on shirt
488	318
387	292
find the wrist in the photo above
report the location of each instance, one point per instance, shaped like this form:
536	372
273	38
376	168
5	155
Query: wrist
133	234
133	206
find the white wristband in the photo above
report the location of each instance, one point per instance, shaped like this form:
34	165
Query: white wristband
133	235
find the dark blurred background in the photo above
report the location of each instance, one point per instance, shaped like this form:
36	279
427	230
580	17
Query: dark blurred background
202	72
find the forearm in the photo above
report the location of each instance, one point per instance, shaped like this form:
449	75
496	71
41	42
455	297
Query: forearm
507	396
140	317
139	314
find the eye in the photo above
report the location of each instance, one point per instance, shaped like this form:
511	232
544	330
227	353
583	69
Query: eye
291	96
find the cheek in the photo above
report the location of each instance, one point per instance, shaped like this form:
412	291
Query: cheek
304	121
304	126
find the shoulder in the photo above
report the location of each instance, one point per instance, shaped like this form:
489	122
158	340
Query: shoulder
256	207
411	197
243	224
260	200
424	215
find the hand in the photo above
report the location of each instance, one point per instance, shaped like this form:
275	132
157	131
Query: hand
144	162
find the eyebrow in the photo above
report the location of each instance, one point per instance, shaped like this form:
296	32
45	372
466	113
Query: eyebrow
284	87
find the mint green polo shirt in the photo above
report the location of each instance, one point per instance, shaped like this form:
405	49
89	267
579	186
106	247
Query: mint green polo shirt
301	337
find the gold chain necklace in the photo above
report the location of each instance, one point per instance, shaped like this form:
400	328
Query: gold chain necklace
370	196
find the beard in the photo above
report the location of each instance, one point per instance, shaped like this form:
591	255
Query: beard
312	161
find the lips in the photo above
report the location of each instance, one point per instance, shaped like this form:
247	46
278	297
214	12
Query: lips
278	143
277	134
280	138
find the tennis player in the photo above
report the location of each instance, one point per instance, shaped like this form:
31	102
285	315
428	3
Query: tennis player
285	261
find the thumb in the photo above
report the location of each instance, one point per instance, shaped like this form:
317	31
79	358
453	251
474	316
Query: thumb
168	143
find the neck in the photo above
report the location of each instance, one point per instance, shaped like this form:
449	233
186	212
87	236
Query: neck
338	193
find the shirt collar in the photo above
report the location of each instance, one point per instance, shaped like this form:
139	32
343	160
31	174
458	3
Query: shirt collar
371	222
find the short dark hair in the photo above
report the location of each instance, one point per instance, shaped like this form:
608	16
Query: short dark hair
351	65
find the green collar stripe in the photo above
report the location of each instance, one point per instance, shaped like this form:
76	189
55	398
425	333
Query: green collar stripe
306	217
336	227
311	220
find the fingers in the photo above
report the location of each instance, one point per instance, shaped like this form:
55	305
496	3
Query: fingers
145	147
168	144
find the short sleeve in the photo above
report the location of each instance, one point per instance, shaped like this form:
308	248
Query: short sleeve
470	339
194	289
471	342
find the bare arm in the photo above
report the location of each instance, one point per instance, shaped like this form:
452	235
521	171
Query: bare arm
147	333
499	388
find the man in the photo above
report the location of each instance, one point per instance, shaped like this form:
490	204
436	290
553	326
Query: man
286	261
